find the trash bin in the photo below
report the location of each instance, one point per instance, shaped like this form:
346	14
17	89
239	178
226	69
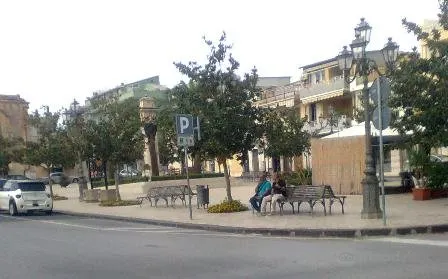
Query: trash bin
406	180
202	195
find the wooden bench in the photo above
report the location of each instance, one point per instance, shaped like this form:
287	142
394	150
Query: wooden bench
329	194
304	194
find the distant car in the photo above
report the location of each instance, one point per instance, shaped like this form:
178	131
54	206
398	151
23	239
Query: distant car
17	177
438	158
2	182
127	173
59	178
22	196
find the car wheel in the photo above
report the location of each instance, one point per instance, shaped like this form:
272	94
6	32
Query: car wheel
49	212
75	180
12	209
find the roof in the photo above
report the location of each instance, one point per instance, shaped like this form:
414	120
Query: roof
273	81
16	98
318	63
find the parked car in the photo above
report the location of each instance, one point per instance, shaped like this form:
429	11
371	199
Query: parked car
438	158
127	173
22	196
60	178
2	182
16	176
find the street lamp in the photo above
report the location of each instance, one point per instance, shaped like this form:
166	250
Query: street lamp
363	67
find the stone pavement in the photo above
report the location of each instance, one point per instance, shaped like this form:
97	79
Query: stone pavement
404	215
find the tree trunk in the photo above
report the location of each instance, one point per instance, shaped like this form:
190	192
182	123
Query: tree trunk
197	164
105	174
117	183
89	166
50	184
153	155
227	177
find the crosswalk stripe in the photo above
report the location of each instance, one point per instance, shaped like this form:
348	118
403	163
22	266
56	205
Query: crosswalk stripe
440	243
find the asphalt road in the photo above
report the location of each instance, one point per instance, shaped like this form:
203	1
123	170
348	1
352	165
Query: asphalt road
62	246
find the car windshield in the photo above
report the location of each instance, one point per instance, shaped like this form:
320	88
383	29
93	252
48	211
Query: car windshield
31	186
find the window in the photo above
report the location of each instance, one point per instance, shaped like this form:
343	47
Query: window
31	186
7	186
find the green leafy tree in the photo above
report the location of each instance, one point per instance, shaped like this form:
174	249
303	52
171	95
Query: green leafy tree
114	134
53	148
283	133
224	102
420	88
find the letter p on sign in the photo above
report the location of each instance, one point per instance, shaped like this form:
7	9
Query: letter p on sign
184	125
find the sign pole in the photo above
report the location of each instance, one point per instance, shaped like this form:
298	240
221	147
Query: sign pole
380	120
188	183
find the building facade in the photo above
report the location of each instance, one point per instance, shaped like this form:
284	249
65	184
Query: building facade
14	117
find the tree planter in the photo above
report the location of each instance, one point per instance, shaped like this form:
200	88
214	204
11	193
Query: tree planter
421	194
91	195
439	193
107	195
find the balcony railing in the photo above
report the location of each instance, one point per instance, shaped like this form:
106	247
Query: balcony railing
334	84
326	126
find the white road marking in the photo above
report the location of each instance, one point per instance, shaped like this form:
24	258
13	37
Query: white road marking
441	243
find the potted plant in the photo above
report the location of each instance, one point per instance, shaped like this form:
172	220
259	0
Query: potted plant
419	162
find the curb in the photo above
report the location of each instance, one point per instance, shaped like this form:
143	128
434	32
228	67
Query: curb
317	233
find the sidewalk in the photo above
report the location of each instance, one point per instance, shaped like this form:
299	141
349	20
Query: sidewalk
404	215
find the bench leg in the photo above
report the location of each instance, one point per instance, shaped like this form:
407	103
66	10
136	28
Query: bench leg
330	204
325	209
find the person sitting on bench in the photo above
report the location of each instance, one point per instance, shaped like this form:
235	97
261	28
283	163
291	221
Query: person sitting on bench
278	192
263	189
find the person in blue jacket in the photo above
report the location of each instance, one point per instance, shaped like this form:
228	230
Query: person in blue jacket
262	190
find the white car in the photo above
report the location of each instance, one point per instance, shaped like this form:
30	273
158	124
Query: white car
22	196
127	173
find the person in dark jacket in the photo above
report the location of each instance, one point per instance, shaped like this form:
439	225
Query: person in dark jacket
278	192
262	190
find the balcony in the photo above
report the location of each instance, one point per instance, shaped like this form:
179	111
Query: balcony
324	90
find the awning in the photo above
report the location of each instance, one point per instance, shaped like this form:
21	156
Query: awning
322	96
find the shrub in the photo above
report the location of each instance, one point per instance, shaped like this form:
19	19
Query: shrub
119	203
227	207
301	177
99	182
191	176
437	175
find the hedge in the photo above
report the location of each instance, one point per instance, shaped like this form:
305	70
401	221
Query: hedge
99	182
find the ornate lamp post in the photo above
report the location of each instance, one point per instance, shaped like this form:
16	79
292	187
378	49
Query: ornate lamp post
357	60
148	112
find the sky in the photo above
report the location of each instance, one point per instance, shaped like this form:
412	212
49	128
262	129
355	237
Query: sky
53	51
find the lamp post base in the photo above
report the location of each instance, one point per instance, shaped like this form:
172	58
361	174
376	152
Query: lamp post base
371	198
371	215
